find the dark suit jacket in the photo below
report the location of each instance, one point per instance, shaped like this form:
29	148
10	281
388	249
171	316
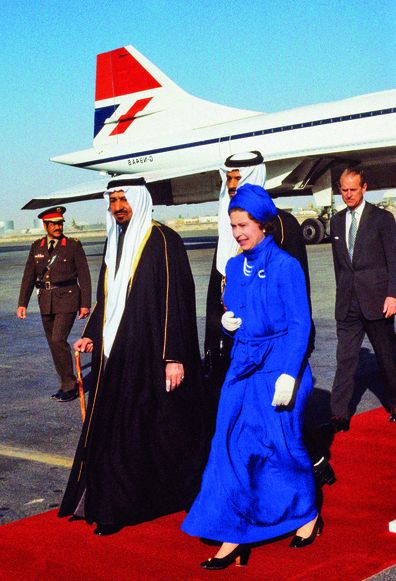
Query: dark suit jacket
372	272
70	264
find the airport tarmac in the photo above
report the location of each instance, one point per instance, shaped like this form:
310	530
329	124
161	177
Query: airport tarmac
38	436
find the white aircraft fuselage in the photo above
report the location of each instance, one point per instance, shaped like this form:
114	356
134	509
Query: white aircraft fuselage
366	123
146	124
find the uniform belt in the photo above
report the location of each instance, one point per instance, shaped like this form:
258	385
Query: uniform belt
49	286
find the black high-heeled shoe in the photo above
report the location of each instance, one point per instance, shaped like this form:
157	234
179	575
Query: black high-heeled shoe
297	542
240	555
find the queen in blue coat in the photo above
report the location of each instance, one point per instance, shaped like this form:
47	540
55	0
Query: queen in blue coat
258	482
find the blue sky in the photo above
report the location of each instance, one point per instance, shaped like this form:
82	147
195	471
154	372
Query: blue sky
265	55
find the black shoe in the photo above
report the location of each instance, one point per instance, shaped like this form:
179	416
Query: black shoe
240	554
57	394
340	424
324	473
105	530
392	417
68	395
298	542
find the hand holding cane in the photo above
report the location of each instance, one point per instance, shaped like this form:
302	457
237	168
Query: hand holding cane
80	384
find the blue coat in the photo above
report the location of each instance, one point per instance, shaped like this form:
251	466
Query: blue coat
271	299
258	482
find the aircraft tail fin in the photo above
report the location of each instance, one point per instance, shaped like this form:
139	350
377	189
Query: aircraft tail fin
134	99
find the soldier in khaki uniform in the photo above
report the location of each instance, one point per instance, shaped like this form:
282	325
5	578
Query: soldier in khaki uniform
58	268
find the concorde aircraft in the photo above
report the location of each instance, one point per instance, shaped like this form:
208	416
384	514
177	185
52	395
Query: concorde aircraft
146	124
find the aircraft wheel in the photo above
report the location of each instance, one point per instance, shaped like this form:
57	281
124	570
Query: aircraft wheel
313	231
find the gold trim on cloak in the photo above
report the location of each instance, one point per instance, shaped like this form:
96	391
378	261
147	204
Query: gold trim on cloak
167	289
133	271
138	256
97	382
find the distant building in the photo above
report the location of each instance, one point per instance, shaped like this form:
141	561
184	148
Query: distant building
207	219
6	226
390	196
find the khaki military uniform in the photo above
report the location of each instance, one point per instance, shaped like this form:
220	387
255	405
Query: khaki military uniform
64	286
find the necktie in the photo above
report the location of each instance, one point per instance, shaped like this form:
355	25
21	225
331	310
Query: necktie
352	234
120	243
51	246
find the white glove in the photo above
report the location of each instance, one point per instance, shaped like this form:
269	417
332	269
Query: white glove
229	322
284	387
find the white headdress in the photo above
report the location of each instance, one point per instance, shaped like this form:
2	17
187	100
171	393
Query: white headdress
252	169
141	203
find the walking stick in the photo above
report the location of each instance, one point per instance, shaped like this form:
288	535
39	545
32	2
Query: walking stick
80	384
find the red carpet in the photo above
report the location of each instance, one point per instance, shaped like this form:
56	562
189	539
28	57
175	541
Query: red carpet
355	543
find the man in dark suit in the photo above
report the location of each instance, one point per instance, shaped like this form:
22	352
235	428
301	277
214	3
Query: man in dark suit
58	268
364	250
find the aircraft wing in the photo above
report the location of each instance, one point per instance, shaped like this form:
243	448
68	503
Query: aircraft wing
289	177
90	191
166	188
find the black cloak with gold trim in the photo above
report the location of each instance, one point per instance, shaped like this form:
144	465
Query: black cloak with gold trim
140	453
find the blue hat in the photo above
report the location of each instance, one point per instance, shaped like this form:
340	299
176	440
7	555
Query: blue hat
256	201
